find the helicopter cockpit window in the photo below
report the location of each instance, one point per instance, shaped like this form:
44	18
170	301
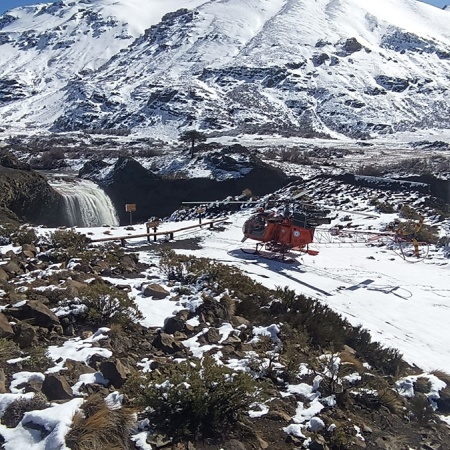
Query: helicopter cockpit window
256	225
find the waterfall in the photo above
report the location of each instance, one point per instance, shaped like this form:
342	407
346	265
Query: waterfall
85	204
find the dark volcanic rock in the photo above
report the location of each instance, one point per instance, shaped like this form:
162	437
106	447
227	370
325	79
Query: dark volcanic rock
114	371
154	195
56	387
25	195
156	291
39	314
6	330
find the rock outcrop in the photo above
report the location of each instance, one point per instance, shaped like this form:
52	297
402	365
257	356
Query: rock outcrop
233	170
25	195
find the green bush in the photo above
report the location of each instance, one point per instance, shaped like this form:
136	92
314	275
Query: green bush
106	305
407	212
17	235
383	207
68	239
204	400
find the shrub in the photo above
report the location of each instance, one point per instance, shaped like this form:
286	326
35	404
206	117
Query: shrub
342	437
407	212
15	411
383	207
294	351
17	235
100	428
106	304
220	277
420	409
203	400
424	233
443	402
68	239
38	360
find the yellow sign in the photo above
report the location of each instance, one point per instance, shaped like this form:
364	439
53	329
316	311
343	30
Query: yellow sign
130	207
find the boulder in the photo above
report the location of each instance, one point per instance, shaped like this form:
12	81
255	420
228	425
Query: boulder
25	335
12	268
156	291
41	315
6	330
115	372
167	343
75	369
176	323
3	275
56	387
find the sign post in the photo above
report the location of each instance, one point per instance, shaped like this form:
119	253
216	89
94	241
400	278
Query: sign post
152	224
130	207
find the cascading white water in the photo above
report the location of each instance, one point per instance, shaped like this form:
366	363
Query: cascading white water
86	205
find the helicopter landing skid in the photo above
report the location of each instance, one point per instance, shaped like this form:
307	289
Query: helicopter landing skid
272	256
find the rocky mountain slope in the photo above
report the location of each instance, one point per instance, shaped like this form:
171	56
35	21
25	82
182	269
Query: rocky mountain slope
280	66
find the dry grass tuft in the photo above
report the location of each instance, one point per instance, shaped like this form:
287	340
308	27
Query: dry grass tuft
100	428
392	400
349	361
443	376
422	385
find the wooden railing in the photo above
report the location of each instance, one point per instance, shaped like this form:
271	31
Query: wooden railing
169	233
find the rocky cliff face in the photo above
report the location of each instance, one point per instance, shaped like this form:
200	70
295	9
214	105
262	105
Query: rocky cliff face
157	195
25	196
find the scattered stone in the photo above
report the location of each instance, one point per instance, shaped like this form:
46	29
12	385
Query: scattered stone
159	440
176	323
6	330
3	389
56	387
75	369
86	334
156	291
115	372
237	321
25	335
3	275
12	268
95	360
212	336
232	339
167	343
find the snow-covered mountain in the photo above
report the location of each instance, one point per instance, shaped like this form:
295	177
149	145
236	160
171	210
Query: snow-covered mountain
300	67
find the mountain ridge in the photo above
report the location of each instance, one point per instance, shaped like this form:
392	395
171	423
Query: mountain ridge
328	68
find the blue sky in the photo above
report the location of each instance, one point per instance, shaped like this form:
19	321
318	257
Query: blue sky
8	4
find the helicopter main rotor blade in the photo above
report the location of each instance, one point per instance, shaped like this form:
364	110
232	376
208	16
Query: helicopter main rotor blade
220	202
359	213
298	195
